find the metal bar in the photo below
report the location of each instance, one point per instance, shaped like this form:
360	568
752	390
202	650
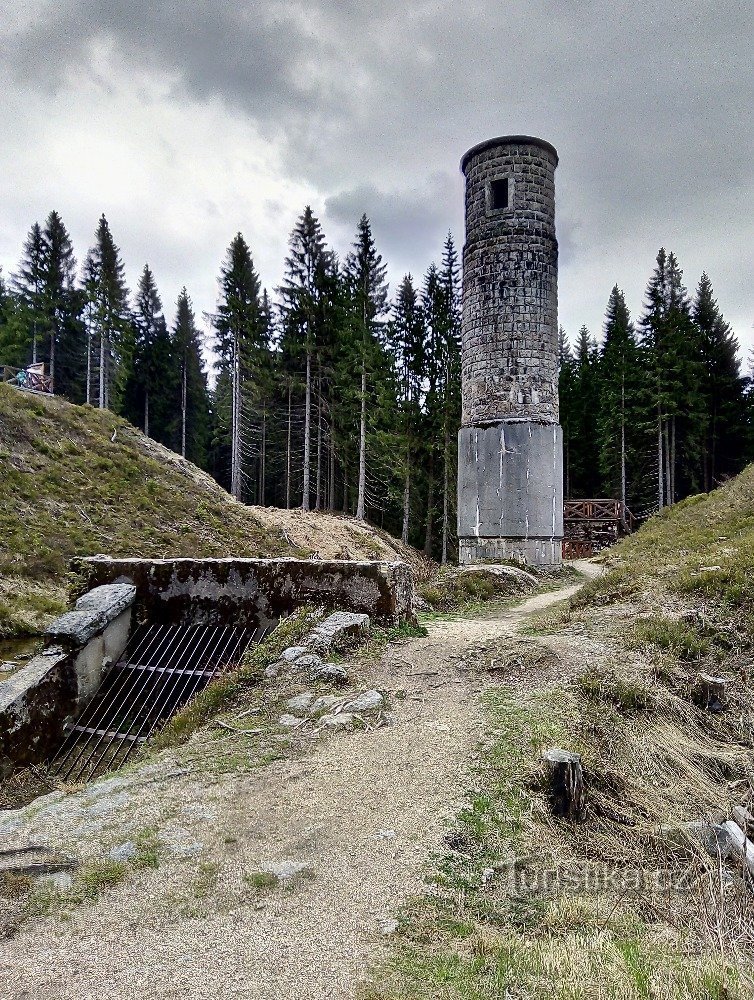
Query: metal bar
111	708
177	639
89	713
106	707
153	716
189	690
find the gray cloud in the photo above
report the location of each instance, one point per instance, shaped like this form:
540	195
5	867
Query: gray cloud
648	104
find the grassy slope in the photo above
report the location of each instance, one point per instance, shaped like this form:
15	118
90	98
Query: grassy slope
623	906
67	489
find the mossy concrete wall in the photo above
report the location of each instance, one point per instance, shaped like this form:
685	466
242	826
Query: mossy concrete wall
252	592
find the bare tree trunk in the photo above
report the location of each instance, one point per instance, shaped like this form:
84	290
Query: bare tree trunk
672	460
318	488
235	430
406	499
623	448
184	393
146	412
360	507
668	491
263	458
331	486
305	499
102	370
430	505
89	357
52	356
288	454
445	498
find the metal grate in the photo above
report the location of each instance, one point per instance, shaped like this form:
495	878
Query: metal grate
162	668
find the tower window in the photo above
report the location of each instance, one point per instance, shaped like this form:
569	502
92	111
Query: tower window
499	193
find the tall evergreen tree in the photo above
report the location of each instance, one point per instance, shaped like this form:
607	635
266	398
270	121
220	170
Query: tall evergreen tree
149	389
566	395
368	290
584	467
109	316
670	343
450	378
239	344
63	304
304	302
194	429
28	284
722	390
406	339
618	397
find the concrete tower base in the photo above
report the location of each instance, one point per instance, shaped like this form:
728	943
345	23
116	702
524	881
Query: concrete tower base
510	492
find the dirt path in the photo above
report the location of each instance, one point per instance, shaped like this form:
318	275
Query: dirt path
363	812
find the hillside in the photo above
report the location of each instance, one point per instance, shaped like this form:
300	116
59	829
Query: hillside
80	481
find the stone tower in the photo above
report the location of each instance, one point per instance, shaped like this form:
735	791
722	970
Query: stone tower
510	446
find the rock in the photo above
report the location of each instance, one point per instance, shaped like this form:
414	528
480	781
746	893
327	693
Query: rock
385	835
123	852
332	672
341	628
286	871
369	701
340	721
325	701
388	925
289	720
301	702
273	669
308	661
293	653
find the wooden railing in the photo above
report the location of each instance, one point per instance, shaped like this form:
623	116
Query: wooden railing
32	378
603	510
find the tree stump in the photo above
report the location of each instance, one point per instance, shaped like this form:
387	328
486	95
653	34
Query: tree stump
710	692
566	778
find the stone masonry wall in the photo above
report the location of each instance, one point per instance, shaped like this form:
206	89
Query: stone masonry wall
509	362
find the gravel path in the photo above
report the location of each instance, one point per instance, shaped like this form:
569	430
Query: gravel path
361	812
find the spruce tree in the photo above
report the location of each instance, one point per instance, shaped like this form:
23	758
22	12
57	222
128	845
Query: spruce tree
14	341
618	390
63	305
584	464
149	386
566	395
239	345
406	340
722	390
194	429
28	284
108	316
671	354
450	378
368	290
304	312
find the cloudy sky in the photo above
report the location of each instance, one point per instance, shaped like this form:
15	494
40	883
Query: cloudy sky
186	122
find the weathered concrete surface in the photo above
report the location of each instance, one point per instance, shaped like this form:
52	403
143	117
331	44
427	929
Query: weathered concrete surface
510	492
252	591
33	706
59	683
98	655
92	613
510	462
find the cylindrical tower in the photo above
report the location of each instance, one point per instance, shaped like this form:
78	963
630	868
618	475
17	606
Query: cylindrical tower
510	448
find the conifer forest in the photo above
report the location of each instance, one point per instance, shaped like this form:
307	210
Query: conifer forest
332	393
